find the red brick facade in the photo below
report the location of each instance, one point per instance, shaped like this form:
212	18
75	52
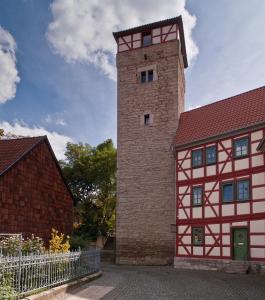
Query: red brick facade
33	196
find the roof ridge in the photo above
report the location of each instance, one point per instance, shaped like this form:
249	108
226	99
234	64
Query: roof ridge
218	101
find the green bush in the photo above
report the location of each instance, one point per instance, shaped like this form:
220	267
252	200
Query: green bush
79	241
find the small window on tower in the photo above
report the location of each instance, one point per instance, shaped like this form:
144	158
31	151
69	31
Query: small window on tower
150	75
143	77
146	39
146	119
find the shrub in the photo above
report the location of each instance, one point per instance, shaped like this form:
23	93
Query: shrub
58	242
33	245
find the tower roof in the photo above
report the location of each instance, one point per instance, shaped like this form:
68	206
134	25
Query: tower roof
175	20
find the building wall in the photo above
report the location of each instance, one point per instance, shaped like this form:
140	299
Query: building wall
218	218
146	184
34	198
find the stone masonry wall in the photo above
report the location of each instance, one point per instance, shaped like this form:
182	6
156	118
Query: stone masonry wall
146	178
34	198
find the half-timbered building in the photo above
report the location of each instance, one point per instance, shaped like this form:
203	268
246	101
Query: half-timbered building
220	183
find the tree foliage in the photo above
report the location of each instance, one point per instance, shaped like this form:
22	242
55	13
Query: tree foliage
91	175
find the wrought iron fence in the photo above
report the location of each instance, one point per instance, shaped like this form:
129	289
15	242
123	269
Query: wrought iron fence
28	273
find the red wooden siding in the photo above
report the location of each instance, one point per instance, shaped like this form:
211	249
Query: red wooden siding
33	196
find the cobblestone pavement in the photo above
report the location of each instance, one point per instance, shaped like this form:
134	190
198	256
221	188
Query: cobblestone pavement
144	283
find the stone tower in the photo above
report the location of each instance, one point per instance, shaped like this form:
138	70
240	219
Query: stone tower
151	85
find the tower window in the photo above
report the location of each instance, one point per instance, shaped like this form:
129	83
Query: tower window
146	119
146	39
143	77
150	75
147	76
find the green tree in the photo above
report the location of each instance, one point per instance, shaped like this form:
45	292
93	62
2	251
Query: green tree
91	175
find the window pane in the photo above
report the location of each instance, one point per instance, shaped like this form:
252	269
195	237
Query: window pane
147	39
228	192
197	235
197	195
243	190
143	77
197	158
211	155
241	147
150	75
147	119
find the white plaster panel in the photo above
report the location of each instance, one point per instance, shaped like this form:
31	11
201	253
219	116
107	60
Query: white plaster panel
186	200
257	240
123	48
156	40
258	193
226	239
186	163
171	36
241	164
215	228
182	176
211	170
222	156
257	160
165	29
182	189
198	250
257	226
197	212
186	239
256	135
181	213
254	147
228	167
181	229
228	210
156	31
259	207
137	36
258	178
209	240
257	252
214	197
243	208
226	251
226	144
209	186
127	38
215	252
198	173
182	251
209	211
182	154
226	228
137	44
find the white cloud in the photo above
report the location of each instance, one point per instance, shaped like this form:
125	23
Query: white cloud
8	71
58	141
82	30
57	119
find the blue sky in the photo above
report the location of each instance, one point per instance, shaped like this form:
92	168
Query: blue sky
64	57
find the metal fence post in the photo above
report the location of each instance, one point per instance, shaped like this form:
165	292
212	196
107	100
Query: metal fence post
19	263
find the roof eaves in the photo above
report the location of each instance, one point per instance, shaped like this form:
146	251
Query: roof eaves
221	135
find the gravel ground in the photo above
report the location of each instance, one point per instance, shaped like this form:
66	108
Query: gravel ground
144	283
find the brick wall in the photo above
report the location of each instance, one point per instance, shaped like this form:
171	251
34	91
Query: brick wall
146	182
34	198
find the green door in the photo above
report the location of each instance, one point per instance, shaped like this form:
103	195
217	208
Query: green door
240	238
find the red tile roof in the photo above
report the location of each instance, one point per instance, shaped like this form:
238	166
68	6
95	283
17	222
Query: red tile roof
14	149
231	114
